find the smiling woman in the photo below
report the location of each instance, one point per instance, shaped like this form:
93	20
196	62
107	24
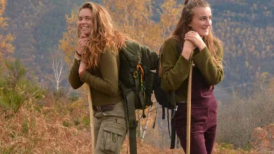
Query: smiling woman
193	40
96	64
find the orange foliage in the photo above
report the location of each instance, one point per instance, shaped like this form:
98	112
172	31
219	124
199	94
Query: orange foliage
138	23
263	138
41	130
2	10
5	41
69	40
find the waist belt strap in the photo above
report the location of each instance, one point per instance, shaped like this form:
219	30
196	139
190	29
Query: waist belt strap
129	98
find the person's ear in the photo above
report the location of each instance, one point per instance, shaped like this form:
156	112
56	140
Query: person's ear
190	28
189	25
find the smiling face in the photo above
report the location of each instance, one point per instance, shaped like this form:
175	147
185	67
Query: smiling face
201	21
84	23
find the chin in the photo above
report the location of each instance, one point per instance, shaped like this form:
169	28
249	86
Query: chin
85	31
203	34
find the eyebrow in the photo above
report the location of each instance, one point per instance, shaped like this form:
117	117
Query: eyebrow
205	16
83	16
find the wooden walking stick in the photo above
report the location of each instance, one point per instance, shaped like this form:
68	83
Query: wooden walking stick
188	126
91	120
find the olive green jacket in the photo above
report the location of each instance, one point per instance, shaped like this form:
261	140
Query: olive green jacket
103	80
175	68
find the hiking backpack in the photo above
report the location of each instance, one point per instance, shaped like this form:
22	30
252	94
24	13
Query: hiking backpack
136	83
166	100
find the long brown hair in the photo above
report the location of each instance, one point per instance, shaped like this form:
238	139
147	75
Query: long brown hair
104	36
182	28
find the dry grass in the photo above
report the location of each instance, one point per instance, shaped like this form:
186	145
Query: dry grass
228	149
37	130
34	130
62	128
148	149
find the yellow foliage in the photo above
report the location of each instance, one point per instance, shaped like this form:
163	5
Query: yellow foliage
69	39
170	15
2	10
136	21
5	41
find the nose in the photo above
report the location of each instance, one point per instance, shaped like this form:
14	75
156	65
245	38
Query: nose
83	21
208	22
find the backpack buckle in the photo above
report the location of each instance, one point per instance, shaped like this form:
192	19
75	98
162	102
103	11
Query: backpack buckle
98	108
176	108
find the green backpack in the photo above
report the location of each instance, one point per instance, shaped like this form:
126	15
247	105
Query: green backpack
136	83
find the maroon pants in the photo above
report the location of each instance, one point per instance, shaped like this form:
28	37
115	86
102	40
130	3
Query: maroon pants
203	125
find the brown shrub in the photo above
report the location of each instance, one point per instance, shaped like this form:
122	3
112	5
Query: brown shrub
263	138
237	119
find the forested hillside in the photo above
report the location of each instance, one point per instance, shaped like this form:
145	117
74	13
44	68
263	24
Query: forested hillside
38	26
244	26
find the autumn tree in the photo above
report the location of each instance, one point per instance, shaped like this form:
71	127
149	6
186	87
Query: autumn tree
5	39
169	17
137	19
69	40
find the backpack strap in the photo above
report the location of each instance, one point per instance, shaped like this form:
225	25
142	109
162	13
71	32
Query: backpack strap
173	132
129	97
172	121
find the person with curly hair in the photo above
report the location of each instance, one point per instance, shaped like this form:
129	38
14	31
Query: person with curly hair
96	63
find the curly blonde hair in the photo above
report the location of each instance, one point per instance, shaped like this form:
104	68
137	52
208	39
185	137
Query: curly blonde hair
104	36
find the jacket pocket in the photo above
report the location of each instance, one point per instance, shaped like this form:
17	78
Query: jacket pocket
113	138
